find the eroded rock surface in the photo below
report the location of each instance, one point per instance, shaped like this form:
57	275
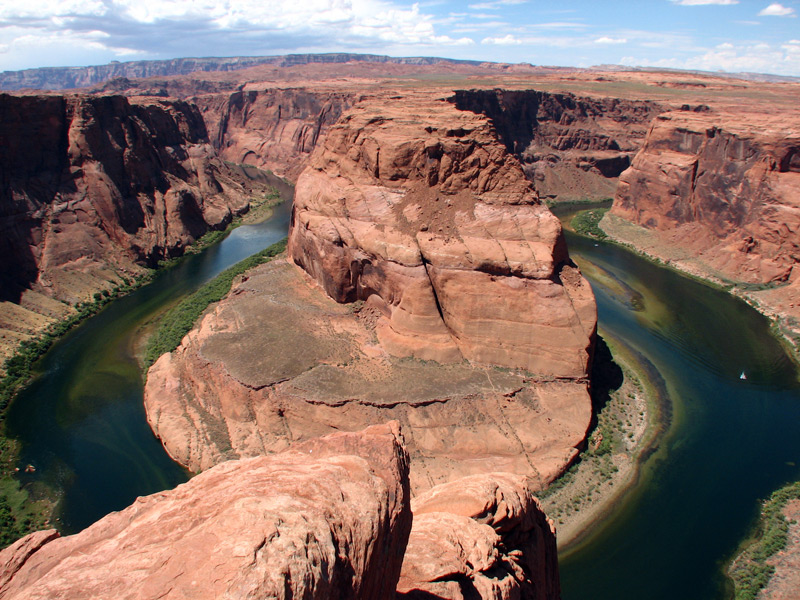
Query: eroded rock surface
483	536
436	264
418	208
328	519
720	195
571	147
278	362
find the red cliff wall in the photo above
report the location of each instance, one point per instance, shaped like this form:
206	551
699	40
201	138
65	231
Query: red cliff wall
88	183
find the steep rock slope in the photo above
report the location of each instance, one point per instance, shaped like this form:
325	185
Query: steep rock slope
328	520
274	129
93	187
415	207
480	537
720	196
571	147
437	262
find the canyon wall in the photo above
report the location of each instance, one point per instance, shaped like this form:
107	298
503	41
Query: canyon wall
571	147
92	183
271	129
719	195
94	188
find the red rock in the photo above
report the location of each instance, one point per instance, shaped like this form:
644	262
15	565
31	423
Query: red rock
480	537
417	207
275	129
329	519
97	185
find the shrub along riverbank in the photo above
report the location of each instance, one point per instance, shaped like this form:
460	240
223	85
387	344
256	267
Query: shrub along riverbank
750	570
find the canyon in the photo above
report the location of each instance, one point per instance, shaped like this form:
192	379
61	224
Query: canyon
426	281
96	188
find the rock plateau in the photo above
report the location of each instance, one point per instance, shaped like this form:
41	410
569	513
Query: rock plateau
441	295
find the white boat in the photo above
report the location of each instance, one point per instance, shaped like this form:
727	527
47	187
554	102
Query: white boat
742	376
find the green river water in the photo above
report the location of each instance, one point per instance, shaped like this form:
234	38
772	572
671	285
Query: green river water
729	441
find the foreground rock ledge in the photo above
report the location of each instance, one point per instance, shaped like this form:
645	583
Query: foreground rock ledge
327	520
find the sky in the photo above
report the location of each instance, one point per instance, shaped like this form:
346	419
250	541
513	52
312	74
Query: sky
727	35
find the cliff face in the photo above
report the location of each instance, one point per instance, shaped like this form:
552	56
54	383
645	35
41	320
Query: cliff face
418	209
271	129
93	185
328	520
734	188
432	263
570	147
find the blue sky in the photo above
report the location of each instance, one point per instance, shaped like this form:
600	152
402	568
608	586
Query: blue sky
729	35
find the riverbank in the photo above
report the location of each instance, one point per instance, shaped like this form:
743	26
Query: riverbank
23	508
641	240
627	425
770	559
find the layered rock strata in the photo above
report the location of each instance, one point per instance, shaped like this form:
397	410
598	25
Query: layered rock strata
720	197
91	189
330	519
571	147
480	537
417	208
433	265
274	129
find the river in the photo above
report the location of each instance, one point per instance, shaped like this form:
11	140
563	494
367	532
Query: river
82	423
730	442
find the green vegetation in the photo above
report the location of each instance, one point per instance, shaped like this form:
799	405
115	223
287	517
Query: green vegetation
587	222
179	321
750	571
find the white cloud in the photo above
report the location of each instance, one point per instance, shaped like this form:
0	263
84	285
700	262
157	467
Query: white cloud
161	28
704	2
753	58
506	40
609	40
495	4
777	10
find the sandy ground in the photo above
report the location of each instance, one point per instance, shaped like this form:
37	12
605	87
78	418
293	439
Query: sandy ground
785	582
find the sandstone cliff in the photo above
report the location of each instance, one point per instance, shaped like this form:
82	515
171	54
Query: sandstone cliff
93	187
273	129
437	263
417	208
329	519
571	147
720	196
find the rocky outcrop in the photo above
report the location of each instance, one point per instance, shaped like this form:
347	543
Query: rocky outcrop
735	188
571	147
480	537
416	207
719	196
93	186
273	129
329	519
433	265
